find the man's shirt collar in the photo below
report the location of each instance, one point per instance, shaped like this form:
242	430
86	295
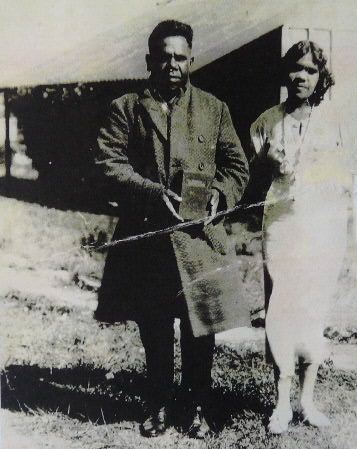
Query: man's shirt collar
167	106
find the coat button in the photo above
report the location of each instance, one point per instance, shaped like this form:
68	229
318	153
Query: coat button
201	166
176	163
201	139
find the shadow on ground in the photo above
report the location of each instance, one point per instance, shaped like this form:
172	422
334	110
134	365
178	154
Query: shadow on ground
81	392
58	193
86	393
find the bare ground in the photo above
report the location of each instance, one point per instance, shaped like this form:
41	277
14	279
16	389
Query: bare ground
69	382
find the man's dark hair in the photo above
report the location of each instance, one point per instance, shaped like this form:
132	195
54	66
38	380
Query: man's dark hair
299	50
169	28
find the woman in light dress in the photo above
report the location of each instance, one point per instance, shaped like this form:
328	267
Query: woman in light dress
304	225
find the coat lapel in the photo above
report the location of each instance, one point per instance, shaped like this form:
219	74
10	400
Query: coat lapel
179	146
155	112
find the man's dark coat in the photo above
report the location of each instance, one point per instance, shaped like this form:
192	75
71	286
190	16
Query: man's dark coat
139	154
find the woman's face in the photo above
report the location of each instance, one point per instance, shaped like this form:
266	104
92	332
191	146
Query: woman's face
302	78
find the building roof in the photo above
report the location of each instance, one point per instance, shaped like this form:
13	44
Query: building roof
61	41
112	52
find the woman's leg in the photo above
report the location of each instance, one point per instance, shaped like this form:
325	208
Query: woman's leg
282	350
307	377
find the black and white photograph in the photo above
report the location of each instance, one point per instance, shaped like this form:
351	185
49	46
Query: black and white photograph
178	224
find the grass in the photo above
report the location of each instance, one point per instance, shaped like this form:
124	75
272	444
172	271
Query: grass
70	382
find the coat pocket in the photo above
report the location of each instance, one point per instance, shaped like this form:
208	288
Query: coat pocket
195	194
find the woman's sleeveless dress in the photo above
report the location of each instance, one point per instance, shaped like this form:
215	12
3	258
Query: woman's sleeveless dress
304	230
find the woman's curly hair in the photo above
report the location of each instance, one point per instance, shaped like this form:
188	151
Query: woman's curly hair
326	79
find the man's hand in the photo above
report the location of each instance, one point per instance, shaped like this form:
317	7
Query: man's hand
213	206
167	196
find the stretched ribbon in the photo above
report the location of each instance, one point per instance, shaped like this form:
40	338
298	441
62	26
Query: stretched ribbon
176	227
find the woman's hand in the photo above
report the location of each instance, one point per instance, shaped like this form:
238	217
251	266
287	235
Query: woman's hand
276	154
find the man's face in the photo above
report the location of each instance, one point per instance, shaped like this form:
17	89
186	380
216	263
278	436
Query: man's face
302	78
170	63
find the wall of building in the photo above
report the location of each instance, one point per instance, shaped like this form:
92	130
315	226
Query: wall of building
247	79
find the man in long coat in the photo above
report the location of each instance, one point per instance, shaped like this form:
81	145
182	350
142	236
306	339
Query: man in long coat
172	139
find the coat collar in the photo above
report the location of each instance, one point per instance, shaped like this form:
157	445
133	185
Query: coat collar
154	107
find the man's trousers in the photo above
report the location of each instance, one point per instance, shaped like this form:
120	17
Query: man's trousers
157	335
